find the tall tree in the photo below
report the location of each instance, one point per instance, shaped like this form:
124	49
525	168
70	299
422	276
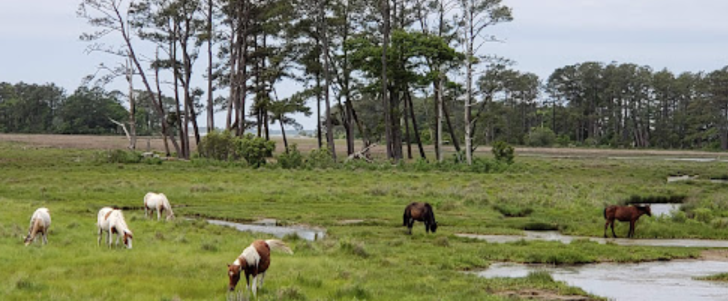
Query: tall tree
477	15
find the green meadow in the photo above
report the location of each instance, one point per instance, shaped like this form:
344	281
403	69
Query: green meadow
373	260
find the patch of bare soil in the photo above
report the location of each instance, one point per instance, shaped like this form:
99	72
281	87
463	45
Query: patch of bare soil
715	255
536	294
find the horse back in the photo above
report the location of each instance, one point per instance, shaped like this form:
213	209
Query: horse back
622	213
418	211
264	252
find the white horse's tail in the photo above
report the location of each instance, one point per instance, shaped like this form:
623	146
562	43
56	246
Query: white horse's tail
278	245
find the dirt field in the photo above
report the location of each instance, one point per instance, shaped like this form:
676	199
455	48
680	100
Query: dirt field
307	144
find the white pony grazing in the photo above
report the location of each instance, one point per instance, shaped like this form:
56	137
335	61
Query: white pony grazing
112	221
39	222
157	201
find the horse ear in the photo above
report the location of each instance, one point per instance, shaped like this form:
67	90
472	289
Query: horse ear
228	265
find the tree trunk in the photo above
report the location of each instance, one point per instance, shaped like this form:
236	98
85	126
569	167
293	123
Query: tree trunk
384	82
283	132
210	108
450	128
406	128
414	125
327	78
132	106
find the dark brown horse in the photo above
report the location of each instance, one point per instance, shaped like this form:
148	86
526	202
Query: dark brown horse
417	211
624	214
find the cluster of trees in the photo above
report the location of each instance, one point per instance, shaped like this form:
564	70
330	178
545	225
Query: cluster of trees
350	56
32	108
400	73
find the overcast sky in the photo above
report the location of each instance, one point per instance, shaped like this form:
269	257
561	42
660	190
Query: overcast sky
39	38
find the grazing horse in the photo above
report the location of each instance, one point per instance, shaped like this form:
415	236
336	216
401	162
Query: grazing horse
623	214
417	211
112	221
157	201
39	222
254	261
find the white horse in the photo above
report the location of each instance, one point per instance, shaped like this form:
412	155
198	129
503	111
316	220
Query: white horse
157	201
112	221
39	222
254	261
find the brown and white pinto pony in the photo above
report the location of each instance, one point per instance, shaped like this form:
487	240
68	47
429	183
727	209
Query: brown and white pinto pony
157	201
254	261
624	214
111	220
40	221
417	211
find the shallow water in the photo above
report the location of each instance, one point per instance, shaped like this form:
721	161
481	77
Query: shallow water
556	236
302	232
671	280
663	209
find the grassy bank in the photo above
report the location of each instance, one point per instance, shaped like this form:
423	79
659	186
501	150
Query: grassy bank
375	259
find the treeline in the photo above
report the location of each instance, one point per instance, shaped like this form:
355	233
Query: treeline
399	73
33	108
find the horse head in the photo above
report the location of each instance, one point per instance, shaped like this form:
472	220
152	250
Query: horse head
234	275
127	238
433	226
28	240
646	210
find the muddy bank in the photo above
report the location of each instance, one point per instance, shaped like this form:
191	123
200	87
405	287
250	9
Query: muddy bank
556	236
661	280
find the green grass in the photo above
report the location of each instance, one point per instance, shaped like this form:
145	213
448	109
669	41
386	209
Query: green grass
376	260
722	277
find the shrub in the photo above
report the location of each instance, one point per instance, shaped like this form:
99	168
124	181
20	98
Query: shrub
217	145
320	158
254	149
541	137
704	215
292	159
120	156
503	152
563	140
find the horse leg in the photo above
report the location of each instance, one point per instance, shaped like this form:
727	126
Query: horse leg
45	237
427	227
99	234
262	278
605	228
255	289
409	225
613	234
631	228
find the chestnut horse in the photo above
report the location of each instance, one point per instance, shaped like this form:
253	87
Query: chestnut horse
39	223
417	211
624	214
254	261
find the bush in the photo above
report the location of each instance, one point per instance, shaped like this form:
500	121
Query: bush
254	149
541	137
563	140
503	152
120	156
320	158
292	159
703	215
218	145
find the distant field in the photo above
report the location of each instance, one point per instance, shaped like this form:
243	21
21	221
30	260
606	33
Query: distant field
306	144
372	260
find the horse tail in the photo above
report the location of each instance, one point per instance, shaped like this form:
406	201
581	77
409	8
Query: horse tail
605	213
405	216
278	245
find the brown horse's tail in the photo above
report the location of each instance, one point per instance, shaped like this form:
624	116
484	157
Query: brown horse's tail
405	216
605	213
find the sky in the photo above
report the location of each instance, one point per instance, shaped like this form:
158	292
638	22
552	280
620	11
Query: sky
39	39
